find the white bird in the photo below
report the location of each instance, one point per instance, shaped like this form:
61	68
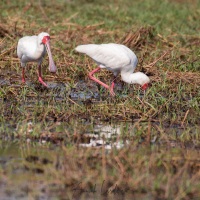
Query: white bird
116	58
32	49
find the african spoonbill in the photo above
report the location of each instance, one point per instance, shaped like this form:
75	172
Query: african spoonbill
116	58
33	49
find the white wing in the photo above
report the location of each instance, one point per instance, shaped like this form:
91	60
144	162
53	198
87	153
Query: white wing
111	56
20	49
26	48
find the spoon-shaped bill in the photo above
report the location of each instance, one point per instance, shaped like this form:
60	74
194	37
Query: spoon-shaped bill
52	66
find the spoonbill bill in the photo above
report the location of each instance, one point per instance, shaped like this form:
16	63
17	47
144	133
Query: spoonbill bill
116	58
33	49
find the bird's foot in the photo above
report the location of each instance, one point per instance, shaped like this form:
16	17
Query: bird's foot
41	81
23	81
112	88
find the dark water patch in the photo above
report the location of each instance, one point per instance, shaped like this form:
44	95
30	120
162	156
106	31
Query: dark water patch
57	90
88	92
84	91
4	82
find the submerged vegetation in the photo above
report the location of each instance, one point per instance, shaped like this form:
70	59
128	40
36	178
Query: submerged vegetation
47	126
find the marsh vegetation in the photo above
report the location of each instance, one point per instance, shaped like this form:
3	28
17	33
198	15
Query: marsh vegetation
42	130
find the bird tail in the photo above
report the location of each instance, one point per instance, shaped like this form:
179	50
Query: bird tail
85	48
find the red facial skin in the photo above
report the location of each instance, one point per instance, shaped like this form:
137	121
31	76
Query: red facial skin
45	39
145	86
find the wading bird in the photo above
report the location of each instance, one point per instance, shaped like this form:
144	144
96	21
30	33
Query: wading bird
116	58
33	49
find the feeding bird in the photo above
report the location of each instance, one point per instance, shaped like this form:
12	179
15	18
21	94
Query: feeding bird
33	49
116	58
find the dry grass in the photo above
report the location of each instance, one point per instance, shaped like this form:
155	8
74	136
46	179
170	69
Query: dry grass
168	113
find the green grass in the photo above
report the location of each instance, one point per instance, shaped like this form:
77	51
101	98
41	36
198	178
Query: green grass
162	126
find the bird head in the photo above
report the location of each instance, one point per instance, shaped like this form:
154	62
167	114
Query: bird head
44	37
143	80
145	86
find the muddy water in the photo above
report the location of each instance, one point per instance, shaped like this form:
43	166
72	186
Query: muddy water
23	176
24	160
23	165
22	172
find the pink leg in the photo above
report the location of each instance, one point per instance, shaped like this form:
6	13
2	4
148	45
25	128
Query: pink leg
40	76
23	76
112	85
112	89
98	81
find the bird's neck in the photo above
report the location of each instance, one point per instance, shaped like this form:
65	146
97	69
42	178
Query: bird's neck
40	47
131	78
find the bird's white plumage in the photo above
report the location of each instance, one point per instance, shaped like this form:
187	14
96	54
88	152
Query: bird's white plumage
114	57
31	49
